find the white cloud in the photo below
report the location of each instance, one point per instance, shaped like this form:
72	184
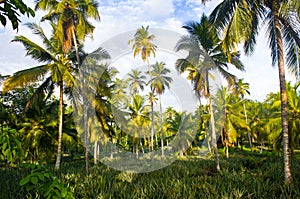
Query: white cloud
157	9
127	15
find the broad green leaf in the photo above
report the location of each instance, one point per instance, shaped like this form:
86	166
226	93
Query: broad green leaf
24	180
4	145
3	20
41	177
34	180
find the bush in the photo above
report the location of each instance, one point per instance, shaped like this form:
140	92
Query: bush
40	183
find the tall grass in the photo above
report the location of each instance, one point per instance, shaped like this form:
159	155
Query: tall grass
241	176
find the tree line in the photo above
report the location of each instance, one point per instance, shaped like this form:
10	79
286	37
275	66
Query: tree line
32	116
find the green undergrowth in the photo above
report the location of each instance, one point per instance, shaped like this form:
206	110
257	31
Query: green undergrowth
243	175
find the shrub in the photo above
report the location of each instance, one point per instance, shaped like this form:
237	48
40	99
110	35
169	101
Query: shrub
40	183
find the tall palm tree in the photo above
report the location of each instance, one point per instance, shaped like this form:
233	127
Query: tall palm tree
230	116
242	89
159	82
71	17
136	81
151	97
205	54
56	70
142	44
239	21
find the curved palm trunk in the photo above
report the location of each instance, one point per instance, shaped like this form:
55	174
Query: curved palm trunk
213	133
60	119
283	96
85	123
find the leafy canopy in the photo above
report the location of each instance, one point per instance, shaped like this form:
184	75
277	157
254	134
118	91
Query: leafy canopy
11	10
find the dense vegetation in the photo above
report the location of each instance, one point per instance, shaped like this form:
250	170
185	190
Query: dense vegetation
251	148
244	175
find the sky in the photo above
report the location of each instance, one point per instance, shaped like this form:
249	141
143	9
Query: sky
119	17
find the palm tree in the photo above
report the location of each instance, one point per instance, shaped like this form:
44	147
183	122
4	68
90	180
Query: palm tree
71	17
73	25
258	118
168	115
294	121
181	125
119	95
159	82
142	44
205	55
230	116
99	98
56	70
242	89
293	104
136	81
139	118
151	97
240	21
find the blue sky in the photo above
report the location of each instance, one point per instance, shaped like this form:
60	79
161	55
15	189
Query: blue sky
119	16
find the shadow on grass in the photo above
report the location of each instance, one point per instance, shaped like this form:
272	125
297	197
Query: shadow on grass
243	175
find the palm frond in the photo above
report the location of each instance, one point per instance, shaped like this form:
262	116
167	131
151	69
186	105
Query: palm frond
291	53
99	54
34	50
46	87
37	30
45	4
223	13
250	42
25	77
271	35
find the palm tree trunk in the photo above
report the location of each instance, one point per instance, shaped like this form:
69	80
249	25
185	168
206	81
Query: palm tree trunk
95	152
161	127
60	121
152	130
284	108
86	140
137	148
208	143
85	123
249	137
181	149
213	133
142	147
202	120
152	116
227	150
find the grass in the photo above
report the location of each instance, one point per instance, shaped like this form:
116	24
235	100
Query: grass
243	175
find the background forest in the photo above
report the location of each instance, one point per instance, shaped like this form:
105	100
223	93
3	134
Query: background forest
67	122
